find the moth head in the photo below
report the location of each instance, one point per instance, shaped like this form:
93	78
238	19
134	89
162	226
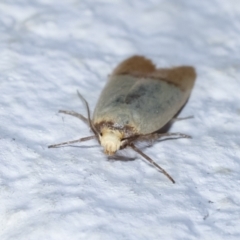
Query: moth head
110	140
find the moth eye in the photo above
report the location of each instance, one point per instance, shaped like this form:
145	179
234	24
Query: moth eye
100	134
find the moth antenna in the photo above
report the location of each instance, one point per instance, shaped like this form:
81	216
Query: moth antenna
152	162
75	114
73	141
88	112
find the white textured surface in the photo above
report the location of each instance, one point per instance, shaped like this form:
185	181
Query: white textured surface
49	49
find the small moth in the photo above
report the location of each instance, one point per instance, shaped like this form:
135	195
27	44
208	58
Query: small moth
137	101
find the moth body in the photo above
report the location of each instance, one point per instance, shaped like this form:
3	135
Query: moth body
110	140
138	102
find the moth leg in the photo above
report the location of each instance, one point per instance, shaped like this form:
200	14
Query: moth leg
153	137
180	119
75	114
152	162
159	135
73	141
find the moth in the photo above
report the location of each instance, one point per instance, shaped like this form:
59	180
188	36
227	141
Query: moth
137	101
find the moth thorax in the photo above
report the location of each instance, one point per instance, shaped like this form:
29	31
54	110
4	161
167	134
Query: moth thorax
110	140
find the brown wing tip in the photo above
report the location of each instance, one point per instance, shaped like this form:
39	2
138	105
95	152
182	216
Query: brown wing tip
183	76
186	72
139	66
135	65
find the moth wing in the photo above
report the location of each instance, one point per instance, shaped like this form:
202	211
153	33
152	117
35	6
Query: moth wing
143	97
168	95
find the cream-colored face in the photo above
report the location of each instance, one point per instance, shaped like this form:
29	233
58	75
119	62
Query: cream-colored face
110	140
